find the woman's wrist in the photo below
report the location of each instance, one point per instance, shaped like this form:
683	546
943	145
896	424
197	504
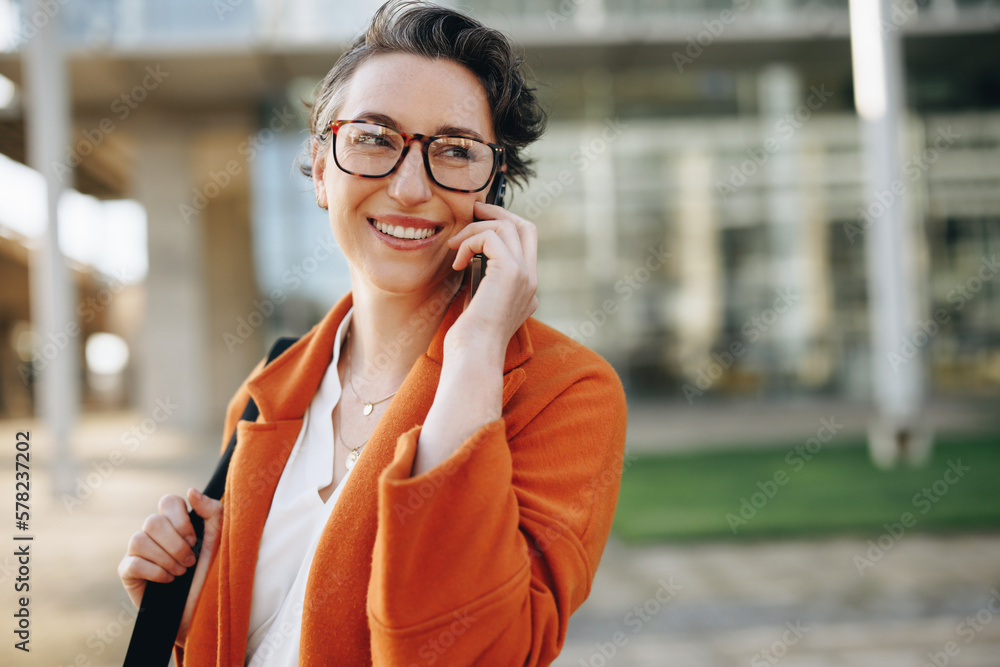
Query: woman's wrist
469	396
480	350
463	343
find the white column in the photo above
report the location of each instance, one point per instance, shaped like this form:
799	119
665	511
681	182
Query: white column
52	293
878	86
779	92
698	304
598	136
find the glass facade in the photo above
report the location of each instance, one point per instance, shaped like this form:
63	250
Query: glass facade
764	230
701	206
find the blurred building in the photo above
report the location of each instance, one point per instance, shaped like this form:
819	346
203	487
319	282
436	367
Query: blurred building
699	197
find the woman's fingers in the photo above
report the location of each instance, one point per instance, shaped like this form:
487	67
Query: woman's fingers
159	551
145	560
211	511
143	546
488	216
516	232
473	235
511	244
207	508
175	510
162	550
488	241
526	231
168	533
142	570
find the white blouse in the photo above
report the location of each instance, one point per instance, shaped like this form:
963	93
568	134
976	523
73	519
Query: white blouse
293	528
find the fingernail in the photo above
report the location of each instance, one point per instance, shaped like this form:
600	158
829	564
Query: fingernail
190	560
191	540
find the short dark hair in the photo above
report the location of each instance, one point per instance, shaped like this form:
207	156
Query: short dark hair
425	29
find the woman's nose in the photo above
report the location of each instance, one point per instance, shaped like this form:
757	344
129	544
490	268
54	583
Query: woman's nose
410	184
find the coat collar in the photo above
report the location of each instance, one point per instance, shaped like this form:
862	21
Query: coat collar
285	388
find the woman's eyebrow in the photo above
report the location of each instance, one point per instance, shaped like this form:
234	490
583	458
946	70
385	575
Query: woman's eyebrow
383	119
456	130
376	117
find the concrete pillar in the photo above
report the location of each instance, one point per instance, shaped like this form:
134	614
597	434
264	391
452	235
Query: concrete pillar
237	313
598	135
698	306
53	307
173	352
780	94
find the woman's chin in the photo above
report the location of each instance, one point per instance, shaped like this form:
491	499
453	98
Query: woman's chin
411	285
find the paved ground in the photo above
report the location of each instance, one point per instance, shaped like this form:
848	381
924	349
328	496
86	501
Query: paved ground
798	604
793	603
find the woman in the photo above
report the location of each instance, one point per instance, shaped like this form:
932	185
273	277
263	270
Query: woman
432	478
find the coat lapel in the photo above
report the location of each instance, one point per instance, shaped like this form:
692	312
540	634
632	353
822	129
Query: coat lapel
334	613
282	391
260	457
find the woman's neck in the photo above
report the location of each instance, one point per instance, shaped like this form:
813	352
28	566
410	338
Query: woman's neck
389	332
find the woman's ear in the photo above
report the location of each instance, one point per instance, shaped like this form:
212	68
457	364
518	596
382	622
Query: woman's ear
318	170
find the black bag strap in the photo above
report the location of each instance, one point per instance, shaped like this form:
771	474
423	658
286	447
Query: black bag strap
162	606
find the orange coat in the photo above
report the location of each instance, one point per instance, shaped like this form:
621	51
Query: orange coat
479	561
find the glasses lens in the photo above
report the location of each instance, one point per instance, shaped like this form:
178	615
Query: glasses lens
367	149
460	163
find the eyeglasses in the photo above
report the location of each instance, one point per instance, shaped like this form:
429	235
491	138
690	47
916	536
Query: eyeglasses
373	150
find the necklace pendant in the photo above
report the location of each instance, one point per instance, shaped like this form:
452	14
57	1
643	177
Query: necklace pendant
352	458
368	409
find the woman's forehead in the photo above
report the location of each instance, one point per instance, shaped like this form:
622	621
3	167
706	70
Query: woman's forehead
420	94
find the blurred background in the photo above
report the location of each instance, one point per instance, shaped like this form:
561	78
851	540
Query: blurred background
783	314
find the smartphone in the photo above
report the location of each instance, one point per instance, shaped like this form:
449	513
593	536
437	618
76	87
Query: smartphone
478	264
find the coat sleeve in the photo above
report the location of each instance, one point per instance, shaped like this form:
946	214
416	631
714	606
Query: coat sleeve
482	559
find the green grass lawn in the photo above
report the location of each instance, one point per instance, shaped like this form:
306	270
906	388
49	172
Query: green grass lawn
687	496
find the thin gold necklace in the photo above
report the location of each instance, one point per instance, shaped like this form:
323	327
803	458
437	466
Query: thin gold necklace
368	405
352	457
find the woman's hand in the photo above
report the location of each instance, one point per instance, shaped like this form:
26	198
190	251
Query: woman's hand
506	295
162	549
470	389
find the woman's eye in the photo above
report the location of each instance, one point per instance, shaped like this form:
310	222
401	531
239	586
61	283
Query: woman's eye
373	140
454	151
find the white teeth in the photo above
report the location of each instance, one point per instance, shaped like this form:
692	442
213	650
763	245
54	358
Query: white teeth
401	232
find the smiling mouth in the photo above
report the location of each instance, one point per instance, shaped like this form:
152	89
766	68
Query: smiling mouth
404	233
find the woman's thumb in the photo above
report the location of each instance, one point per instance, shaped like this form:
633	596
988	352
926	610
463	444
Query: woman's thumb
205	507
